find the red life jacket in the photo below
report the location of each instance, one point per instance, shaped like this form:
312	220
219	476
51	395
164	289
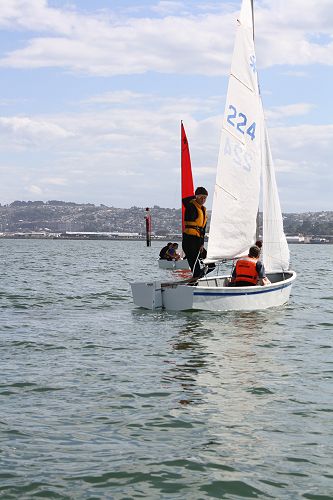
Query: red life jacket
246	270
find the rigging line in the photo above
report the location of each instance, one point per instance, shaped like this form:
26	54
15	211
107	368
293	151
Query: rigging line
252	10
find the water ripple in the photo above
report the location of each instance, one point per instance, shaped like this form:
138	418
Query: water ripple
100	399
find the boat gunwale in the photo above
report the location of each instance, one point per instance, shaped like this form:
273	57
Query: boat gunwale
200	290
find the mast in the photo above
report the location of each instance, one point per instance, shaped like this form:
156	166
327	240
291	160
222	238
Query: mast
252	19
257	222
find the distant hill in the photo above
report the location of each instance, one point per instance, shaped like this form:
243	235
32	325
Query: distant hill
63	216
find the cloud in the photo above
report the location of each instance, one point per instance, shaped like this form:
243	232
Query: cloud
107	44
296	74
116	97
282	112
123	154
25	131
302	157
121	147
54	181
285	34
167	7
34	189
307	138
128	148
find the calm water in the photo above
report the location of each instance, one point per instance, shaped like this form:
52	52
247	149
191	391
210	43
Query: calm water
102	400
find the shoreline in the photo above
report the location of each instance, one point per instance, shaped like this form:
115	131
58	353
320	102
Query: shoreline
38	236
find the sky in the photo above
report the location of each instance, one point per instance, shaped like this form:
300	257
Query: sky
92	93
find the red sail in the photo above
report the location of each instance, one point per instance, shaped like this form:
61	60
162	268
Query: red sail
187	179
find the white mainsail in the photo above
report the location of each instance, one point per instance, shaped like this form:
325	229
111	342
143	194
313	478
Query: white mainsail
244	157
237	188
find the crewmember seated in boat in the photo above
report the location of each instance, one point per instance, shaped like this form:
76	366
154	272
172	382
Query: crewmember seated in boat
195	221
164	251
172	253
249	271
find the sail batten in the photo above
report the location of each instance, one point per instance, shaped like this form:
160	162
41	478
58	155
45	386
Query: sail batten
241	82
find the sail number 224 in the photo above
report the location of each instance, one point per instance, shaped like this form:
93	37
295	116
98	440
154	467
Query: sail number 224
239	120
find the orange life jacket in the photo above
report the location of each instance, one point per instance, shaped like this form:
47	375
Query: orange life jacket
246	270
196	227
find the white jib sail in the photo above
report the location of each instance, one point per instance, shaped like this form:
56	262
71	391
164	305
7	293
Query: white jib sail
236	196
275	251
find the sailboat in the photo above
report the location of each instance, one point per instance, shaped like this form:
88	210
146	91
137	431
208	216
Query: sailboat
245	178
187	189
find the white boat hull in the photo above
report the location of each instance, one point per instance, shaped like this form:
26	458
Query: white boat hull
210	294
173	264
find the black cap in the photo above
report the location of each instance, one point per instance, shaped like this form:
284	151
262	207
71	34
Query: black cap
201	190
254	251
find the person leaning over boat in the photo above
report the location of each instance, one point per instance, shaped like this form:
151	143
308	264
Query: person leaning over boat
171	253
164	250
195	221
249	271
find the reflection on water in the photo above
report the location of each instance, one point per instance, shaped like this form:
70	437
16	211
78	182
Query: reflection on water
181	274
189	360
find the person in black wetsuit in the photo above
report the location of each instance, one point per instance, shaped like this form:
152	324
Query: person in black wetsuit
164	250
195	222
